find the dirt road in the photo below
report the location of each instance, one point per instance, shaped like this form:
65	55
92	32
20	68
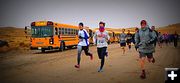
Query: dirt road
58	67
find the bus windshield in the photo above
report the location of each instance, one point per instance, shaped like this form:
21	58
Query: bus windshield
41	31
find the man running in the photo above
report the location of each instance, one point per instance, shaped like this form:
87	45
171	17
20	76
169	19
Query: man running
129	39
122	37
175	39
101	38
136	32
145	42
166	38
83	44
156	39
160	39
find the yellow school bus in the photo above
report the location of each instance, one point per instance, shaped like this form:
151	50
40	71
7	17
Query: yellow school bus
48	35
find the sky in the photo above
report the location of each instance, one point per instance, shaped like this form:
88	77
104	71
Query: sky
115	13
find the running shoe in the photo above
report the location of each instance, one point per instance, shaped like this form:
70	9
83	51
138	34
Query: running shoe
143	75
100	70
153	60
77	66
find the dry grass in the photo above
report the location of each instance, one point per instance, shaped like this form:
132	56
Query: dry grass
15	37
170	29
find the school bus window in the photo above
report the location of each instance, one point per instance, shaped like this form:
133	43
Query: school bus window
66	31
41	31
60	31
71	31
56	31
74	31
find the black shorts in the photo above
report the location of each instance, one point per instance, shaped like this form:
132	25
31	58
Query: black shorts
148	55
128	41
86	50
101	52
123	44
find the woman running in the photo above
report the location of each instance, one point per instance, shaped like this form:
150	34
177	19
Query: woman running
101	38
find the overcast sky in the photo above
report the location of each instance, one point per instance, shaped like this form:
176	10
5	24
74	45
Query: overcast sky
116	13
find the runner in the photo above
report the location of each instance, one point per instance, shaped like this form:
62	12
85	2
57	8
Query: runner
166	38
176	39
129	39
160	39
136	31
83	44
153	29
145	42
101	38
122	37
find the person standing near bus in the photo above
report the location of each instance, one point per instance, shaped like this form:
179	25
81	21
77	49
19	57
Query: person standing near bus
129	39
83	44
144	39
122	37
101	38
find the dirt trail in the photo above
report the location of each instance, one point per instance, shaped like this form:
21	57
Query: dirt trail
58	67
